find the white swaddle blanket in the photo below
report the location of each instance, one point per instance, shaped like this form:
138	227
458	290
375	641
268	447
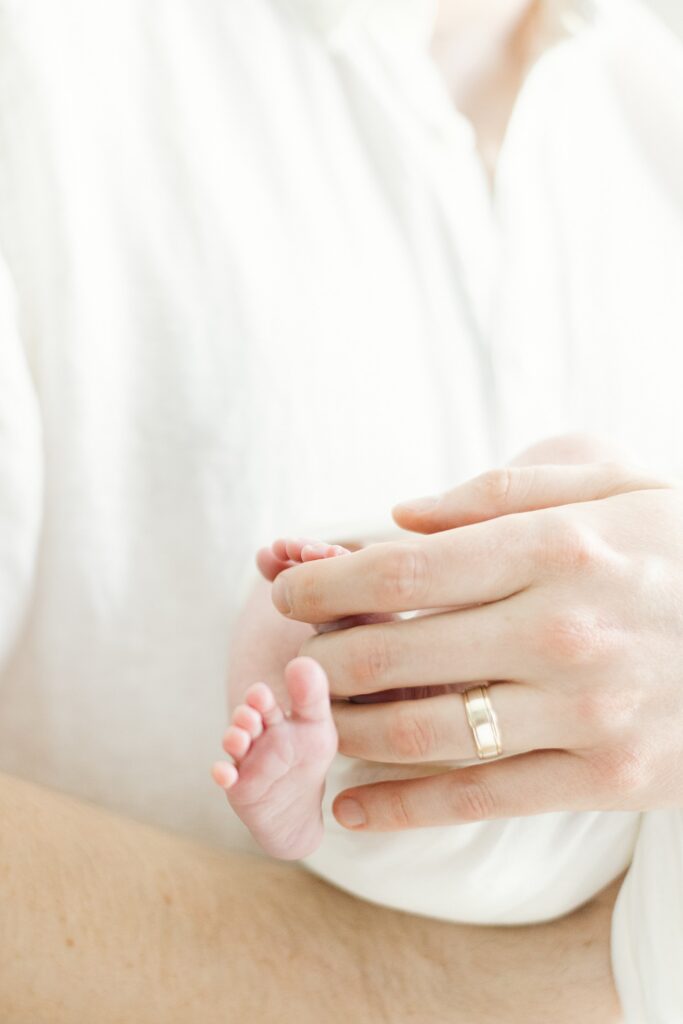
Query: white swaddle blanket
511	871
249	264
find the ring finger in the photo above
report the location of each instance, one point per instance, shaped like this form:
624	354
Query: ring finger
437	728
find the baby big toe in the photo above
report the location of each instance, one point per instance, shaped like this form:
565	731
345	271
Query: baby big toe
313	552
308	690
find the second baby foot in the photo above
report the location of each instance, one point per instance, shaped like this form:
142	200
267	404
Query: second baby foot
285	553
281	759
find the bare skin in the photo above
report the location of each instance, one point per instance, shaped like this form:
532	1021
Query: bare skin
183	934
484	50
281	758
282	748
282	743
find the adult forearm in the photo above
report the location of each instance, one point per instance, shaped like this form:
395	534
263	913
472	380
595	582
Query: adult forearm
104	919
559	971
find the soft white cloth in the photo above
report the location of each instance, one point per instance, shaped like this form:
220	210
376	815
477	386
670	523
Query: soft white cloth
255	283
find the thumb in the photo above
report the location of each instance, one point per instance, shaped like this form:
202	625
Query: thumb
514	489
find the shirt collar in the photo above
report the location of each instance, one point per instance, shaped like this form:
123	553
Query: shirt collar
411	21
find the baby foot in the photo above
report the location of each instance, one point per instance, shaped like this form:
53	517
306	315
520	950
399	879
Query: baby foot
283	554
281	759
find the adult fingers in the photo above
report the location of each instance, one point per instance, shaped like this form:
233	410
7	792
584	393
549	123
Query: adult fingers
511	489
533	783
474	565
430	650
437	729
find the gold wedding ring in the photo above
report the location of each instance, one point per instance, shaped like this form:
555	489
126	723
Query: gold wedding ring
483	723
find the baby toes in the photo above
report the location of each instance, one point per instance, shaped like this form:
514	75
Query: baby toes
249	719
286	552
313	552
262	699
288	549
236	742
279	549
224	774
269	565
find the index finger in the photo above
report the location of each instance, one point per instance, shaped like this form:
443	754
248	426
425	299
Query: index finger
471	565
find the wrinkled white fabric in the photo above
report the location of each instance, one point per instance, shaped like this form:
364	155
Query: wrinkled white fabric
254	283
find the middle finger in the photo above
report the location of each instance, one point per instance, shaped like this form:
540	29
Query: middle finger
449	647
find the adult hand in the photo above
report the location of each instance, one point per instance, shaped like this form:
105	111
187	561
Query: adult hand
564	586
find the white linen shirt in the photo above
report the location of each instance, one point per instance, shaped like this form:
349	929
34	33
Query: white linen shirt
253	282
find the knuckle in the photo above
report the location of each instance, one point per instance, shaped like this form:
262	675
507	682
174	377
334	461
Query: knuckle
471	798
399	815
578	636
405	580
370	658
621	770
496	486
411	738
569	546
601	711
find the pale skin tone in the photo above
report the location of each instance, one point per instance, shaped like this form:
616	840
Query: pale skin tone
283	748
103	919
100	911
567	587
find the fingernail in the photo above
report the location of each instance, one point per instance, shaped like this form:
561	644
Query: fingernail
349	813
420	505
280	595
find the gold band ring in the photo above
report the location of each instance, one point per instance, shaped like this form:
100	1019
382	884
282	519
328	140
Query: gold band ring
483	723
